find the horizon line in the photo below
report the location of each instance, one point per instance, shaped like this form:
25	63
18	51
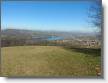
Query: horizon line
28	28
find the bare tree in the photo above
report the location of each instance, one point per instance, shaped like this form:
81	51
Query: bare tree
95	15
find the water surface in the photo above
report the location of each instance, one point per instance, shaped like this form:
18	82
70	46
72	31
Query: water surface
55	38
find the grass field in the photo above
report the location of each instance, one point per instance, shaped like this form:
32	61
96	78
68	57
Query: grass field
50	61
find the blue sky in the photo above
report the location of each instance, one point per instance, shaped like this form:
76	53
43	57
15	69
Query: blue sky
61	16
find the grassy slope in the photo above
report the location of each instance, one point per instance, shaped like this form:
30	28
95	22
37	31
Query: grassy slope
47	61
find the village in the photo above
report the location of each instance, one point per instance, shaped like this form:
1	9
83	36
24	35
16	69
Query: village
79	43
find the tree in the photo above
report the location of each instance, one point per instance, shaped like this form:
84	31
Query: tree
95	15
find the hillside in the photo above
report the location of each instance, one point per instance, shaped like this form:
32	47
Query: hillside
50	61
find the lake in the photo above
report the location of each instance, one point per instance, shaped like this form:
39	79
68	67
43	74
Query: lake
55	38
50	38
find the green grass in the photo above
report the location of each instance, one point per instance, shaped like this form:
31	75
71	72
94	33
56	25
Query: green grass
48	61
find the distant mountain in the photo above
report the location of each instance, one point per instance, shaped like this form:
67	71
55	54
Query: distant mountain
21	33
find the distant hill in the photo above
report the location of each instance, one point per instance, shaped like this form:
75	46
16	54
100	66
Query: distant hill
21	33
14	37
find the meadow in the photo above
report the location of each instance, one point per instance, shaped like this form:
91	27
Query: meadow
49	61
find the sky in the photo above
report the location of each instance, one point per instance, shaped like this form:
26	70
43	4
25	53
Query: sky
58	16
